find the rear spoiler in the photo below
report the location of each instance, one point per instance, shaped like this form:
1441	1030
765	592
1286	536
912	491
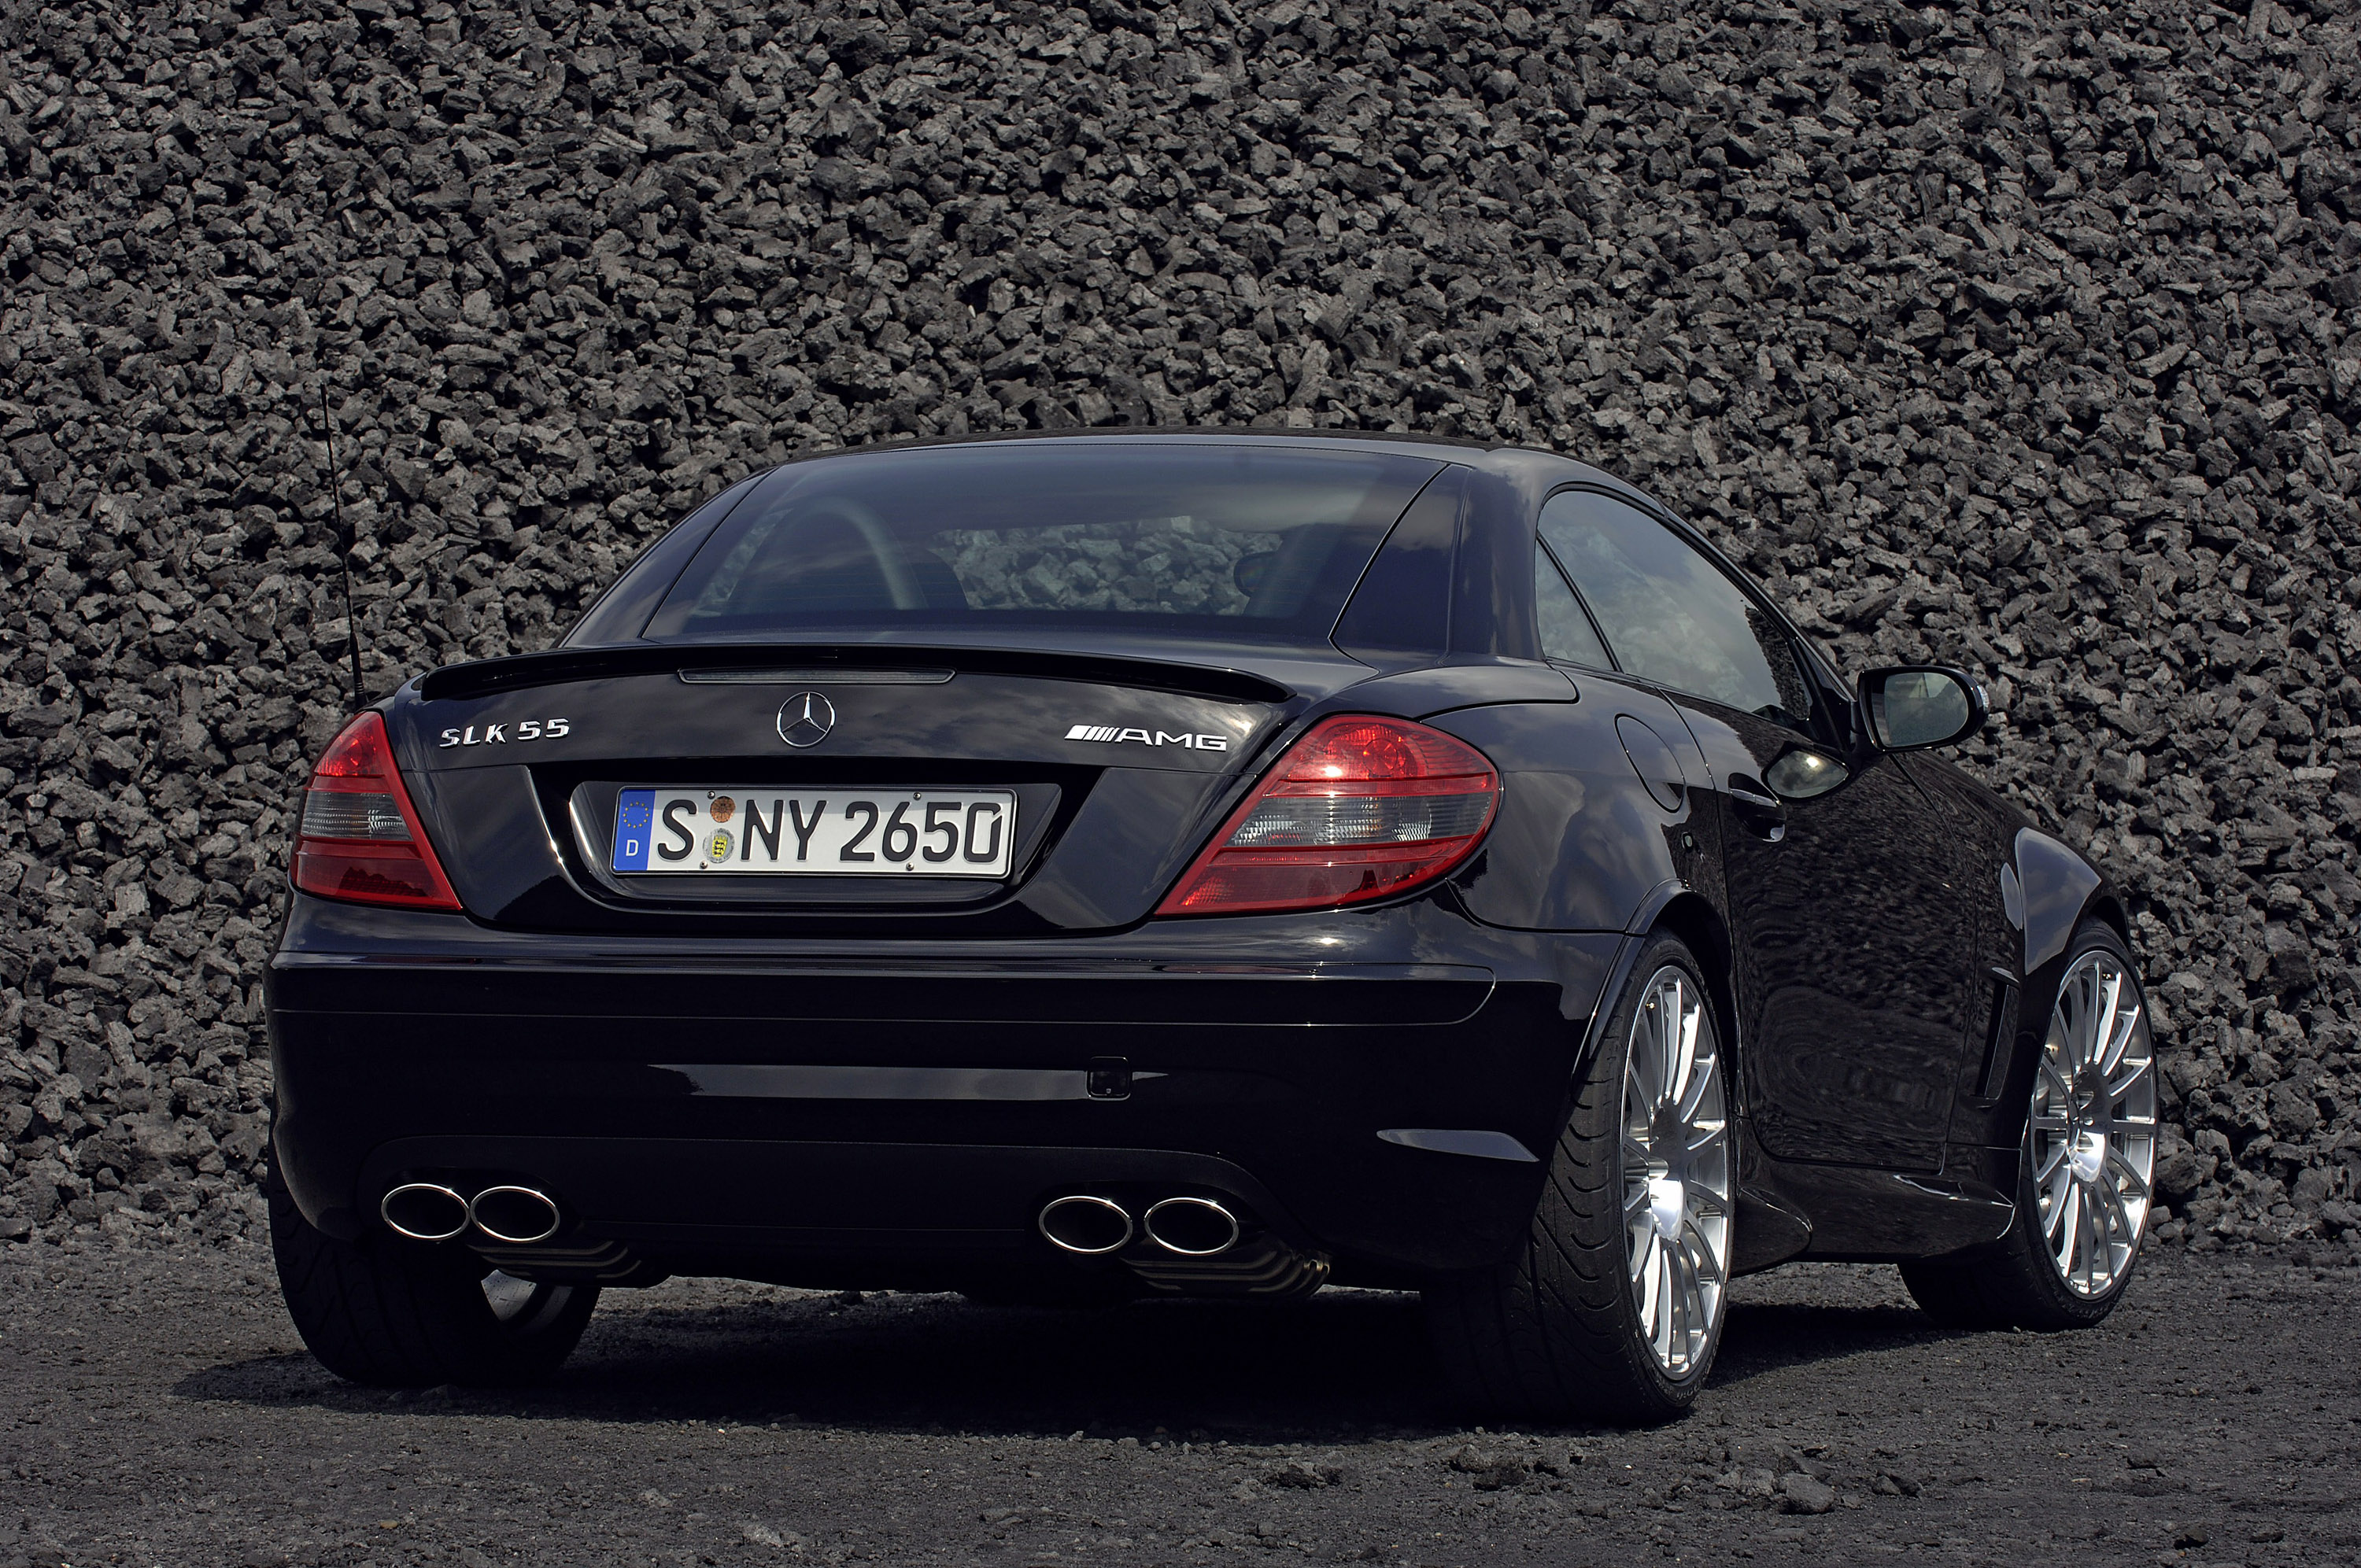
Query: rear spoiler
487	678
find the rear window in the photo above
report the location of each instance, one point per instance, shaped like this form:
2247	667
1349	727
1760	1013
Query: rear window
1224	540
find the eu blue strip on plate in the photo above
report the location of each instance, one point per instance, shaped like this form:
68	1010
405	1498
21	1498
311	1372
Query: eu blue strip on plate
635	812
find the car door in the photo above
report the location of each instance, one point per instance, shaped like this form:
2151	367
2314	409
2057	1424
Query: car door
1849	939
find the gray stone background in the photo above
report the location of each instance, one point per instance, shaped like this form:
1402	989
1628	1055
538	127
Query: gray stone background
2029	336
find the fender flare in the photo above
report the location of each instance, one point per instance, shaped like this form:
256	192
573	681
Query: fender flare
1646	917
1645	913
2049	889
2047	892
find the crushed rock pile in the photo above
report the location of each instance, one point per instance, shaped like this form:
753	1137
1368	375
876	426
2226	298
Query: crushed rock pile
2027	336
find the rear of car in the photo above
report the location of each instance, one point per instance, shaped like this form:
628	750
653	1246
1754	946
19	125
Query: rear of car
998	866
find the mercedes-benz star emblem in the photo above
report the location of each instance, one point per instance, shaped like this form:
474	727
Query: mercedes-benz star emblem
806	719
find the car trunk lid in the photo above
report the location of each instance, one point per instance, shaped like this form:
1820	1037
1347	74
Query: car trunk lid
1112	769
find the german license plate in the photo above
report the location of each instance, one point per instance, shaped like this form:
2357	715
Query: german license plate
820	832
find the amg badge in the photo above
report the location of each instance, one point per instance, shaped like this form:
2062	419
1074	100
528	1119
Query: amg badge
1111	733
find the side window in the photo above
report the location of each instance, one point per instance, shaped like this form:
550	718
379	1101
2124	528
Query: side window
1567	632
1671	615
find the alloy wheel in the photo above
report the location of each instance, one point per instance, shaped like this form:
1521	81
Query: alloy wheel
1677	1173
2091	1132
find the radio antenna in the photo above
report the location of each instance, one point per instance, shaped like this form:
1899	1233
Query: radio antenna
344	547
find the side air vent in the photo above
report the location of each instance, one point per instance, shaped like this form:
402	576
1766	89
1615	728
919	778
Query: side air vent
2000	1028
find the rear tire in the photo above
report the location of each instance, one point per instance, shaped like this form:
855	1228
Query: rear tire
2055	1268
1598	1315
394	1313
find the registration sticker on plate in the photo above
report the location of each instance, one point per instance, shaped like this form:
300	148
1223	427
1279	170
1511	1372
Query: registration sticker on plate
833	832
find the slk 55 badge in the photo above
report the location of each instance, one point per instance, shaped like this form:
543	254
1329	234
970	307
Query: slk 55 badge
497	734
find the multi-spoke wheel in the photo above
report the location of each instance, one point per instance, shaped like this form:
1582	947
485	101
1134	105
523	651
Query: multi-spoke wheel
2088	1151
1613	1306
1677	1192
2090	1131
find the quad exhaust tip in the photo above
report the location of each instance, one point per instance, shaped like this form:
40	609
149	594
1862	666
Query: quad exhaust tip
1086	1224
430	1211
424	1212
1090	1226
518	1215
1193	1227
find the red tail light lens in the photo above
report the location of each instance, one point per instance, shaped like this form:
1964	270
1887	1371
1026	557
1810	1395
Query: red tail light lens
359	839
1358	808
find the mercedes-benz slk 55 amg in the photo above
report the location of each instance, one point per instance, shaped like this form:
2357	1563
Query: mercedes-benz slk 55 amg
1076	868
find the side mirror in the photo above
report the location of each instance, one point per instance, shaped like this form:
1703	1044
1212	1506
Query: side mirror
1910	708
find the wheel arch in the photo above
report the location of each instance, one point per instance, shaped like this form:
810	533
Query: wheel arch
2107	907
2060	890
2038	995
1699	927
1676	911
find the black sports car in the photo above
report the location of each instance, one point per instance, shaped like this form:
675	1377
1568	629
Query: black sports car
1073	867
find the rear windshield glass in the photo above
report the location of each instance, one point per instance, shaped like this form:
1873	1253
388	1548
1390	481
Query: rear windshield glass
1226	540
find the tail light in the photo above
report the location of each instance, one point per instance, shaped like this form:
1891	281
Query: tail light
359	839
1358	808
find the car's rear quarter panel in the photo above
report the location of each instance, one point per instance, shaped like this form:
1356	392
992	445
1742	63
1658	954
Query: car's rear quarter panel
1579	844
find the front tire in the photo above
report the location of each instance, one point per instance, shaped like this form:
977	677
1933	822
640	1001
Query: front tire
393	1313
1614	1307
2084	1164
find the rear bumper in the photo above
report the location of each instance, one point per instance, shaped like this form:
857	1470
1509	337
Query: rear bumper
896	1112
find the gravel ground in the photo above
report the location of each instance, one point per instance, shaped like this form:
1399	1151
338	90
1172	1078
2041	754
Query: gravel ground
158	1409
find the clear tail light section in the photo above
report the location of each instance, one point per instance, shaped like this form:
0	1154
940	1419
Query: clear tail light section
1359	808
360	840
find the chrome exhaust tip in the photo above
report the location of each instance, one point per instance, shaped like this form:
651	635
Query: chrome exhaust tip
424	1211
1193	1227
518	1215
1084	1224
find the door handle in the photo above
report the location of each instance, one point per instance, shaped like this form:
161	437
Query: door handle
1761	813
